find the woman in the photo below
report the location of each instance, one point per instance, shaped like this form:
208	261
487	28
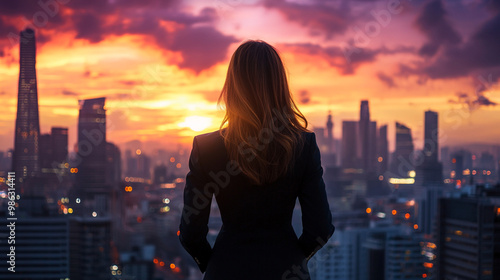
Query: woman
256	165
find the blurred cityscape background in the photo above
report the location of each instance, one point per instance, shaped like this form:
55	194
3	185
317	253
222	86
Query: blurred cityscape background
407	202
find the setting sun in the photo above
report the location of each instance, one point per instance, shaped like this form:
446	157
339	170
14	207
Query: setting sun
196	123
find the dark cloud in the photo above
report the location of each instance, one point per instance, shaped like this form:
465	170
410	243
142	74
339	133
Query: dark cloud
387	80
320	17
344	59
304	97
452	57
192	35
69	93
88	26
201	47
472	101
434	24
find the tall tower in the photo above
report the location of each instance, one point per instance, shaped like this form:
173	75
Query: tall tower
91	175
403	155
25	161
383	150
364	134
431	144
431	171
329	128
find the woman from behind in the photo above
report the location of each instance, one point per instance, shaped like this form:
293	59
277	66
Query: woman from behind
256	165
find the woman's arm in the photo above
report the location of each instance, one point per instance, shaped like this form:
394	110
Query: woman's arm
196	211
316	216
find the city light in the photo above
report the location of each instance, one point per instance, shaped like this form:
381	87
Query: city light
402	181
381	215
94	214
368	210
415	226
407	216
394	212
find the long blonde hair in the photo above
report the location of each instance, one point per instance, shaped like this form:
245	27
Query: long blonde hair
263	123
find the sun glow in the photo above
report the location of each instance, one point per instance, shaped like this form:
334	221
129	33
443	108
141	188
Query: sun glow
196	123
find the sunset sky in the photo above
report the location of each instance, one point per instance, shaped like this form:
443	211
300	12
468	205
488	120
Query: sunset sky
161	64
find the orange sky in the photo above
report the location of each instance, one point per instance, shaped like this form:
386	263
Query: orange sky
161	87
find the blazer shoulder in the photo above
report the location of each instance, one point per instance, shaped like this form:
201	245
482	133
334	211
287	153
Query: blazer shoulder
209	139
309	138
210	147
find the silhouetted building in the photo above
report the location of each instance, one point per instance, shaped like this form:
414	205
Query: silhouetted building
321	139
430	172
91	176
402	161
403	259
91	163
53	149
26	162
90	249
383	150
113	164
431	133
329	130
160	174
138	263
45	145
365	135
350	153
468	235
41	249
6	160
59	144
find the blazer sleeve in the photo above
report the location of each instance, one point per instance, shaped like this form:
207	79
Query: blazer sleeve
316	216
196	211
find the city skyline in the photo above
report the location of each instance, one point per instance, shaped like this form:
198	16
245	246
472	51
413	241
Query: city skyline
142	76
396	216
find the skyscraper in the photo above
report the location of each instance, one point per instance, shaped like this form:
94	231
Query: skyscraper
25	161
329	129
468	234
431	144
91	164
364	135
430	172
403	155
60	144
349	144
383	150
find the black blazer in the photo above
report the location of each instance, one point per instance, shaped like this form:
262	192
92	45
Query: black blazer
256	240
